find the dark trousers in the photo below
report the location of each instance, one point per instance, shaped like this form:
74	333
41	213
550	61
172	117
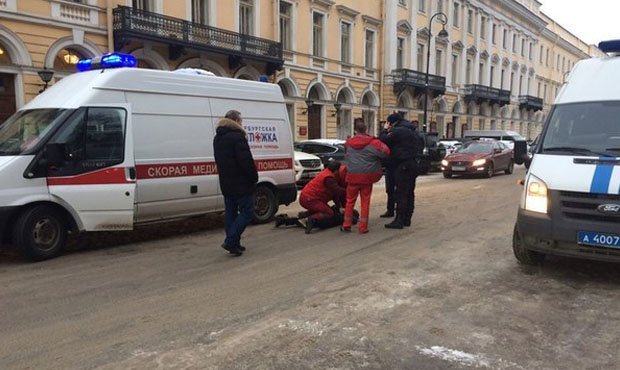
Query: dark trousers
390	188
405	178
239	214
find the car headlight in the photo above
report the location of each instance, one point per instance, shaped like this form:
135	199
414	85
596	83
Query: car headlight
479	162
536	199
445	163
425	151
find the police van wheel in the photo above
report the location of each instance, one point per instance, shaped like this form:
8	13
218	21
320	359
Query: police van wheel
265	205
40	233
524	256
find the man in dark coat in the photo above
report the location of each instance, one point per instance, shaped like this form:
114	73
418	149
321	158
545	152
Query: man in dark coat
238	178
406	147
390	185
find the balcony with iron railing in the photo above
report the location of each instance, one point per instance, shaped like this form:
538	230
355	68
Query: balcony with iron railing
481	93
408	78
530	103
134	24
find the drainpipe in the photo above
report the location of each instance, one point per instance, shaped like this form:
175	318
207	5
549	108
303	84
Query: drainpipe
382	65
110	26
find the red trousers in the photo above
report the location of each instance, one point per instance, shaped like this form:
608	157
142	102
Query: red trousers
364	191
318	209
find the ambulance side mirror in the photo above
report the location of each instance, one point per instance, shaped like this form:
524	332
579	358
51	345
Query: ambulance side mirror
527	162
55	154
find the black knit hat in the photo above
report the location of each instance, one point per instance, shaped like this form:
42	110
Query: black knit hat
394	117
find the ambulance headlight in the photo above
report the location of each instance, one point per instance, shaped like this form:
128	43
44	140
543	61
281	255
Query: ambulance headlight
536	199
479	162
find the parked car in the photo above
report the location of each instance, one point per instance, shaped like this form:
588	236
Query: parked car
451	145
307	167
479	157
325	149
513	140
432	154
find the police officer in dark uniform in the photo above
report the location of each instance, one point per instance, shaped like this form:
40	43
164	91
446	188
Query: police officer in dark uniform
388	174
406	147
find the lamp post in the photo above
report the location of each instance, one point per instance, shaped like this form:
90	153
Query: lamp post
46	76
443	19
337	105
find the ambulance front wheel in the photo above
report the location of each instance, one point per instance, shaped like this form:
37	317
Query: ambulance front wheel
265	204
40	233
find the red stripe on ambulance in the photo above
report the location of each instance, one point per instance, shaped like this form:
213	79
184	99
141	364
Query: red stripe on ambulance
115	175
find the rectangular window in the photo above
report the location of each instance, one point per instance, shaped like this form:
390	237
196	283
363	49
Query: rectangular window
370	49
522	47
492	77
455	69
200	11
483	28
142	5
246	17
494	34
514	43
470	21
438	62
520	84
545	91
502	79
540	57
468	72
547	58
457	13
400	52
538	90
420	53
504	38
512	82
317	34
422	6
481	73
345	42
286	31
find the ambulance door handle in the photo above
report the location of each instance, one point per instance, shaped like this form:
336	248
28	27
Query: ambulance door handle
132	173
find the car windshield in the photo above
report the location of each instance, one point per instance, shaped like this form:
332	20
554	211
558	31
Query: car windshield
476	148
588	129
25	129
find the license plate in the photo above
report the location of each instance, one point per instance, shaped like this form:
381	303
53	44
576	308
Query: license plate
598	239
458	168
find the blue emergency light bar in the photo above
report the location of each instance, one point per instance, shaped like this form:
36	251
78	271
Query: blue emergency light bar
611	46
112	60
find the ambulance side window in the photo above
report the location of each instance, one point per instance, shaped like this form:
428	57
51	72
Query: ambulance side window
92	138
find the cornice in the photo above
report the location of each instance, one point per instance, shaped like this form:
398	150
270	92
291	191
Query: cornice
372	21
347	12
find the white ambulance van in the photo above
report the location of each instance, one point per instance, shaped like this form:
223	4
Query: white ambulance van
113	147
571	201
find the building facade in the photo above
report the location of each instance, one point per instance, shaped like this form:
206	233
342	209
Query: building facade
500	66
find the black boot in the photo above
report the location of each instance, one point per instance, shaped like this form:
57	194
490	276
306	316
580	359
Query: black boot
396	224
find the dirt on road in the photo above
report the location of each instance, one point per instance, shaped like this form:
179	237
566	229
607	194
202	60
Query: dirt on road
446	293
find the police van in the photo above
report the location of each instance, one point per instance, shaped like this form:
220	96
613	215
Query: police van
571	201
116	146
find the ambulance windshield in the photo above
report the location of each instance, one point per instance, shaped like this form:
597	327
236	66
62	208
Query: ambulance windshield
25	129
584	129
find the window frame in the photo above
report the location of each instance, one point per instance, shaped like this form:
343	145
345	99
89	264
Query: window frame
373	54
321	41
349	49
251	5
290	25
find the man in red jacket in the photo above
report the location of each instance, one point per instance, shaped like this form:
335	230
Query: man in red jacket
316	195
364	154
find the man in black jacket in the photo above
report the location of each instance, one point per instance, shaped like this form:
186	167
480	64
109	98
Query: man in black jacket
406	147
238	178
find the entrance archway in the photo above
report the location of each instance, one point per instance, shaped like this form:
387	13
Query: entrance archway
317	94
369	114
7	87
344	123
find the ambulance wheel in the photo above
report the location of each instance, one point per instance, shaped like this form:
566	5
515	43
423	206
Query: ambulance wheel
40	233
511	168
524	256
265	205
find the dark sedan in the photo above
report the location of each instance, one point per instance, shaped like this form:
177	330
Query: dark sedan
327	150
479	157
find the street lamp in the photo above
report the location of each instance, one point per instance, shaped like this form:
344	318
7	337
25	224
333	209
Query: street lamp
46	76
443	19
337	105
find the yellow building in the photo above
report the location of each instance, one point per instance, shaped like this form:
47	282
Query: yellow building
500	65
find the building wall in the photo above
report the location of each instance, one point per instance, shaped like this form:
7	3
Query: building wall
33	32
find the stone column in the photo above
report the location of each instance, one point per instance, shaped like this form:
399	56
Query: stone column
389	36
476	66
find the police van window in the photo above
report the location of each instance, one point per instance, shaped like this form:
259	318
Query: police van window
590	129
92	138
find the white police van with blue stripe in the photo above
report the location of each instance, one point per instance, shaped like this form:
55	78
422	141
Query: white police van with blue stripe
571	201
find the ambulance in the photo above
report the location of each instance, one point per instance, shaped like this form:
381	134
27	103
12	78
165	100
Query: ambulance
115	146
571	200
